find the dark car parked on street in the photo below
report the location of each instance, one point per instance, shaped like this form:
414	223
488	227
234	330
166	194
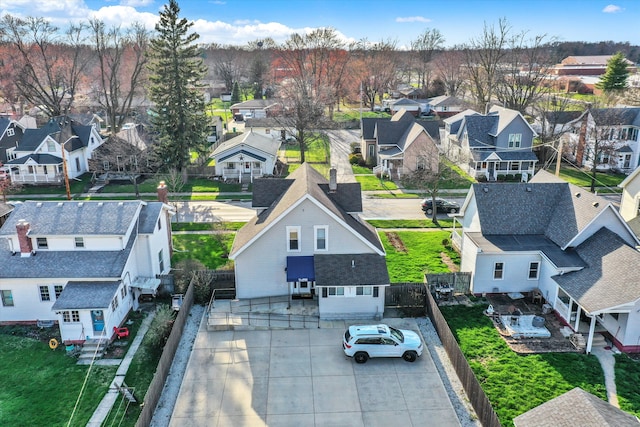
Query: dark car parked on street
442	206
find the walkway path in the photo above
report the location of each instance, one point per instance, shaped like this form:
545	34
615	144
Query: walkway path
607	361
103	409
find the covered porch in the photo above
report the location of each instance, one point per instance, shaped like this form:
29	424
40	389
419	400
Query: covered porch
492	165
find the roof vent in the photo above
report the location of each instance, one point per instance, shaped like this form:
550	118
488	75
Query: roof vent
577	195
528	189
60	204
596	204
100	203
39	204
81	204
485	189
120	203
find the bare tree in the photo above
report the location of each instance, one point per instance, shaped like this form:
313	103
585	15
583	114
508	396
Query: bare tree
523	71
423	49
375	68
483	58
229	63
428	180
122	64
448	67
49	65
310	88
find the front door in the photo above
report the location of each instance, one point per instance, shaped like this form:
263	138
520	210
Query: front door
247	167
490	171
303	287
97	317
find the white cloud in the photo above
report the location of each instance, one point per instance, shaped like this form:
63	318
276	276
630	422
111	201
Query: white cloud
612	8
218	2
413	19
136	3
124	16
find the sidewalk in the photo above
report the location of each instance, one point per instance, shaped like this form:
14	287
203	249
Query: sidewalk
102	411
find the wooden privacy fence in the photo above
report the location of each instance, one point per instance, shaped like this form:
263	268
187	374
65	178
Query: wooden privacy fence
157	383
476	395
459	281
405	295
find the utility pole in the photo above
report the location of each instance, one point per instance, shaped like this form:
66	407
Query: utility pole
559	159
64	166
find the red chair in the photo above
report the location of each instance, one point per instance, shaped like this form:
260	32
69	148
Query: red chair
121	332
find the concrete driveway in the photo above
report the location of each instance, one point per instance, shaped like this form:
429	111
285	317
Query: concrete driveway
301	377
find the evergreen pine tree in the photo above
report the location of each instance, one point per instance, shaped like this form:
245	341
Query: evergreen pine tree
615	78
235	93
176	70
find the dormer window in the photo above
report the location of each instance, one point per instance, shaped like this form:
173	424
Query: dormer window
514	140
11	132
79	242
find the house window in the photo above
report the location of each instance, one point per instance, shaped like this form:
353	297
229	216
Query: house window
372	151
515	166
267	131
321	237
11	132
71	316
7	298
79	242
627	161
293	239
30	169
563	296
498	270
51	146
77	164
230	165
336	291
514	140
123	291
161	260
534	268
114	303
11	155
363	290
376	291
633	134
57	290
44	293
159	224
41	242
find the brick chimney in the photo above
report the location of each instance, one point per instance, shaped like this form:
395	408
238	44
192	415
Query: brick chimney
163	192
26	247
333	180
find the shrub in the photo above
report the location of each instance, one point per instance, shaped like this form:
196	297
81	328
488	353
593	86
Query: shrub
355	158
160	328
355	148
183	271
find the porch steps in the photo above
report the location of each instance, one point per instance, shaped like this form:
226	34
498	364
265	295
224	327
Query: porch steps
91	348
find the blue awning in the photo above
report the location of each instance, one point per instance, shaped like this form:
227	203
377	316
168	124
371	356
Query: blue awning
300	268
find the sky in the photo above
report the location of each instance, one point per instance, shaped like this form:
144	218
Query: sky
237	22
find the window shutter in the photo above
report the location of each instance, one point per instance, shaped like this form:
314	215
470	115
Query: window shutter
324	292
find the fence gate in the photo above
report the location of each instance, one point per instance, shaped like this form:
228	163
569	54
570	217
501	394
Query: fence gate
460	281
405	295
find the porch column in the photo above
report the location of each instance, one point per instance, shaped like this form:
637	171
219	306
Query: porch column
577	322
592	328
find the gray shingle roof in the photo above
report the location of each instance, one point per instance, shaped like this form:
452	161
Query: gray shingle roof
149	217
480	130
556	210
39	158
74	218
576	408
611	278
5	208
615	116
263	143
510	155
86	295
369	126
64	264
256	104
350	270
307	181
32	138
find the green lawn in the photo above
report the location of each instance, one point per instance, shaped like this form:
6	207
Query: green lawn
422	255
582	178
353	115
516	383
193	185
627	379
34	376
452	178
373	183
205	226
206	248
361	170
317	150
75	186
409	223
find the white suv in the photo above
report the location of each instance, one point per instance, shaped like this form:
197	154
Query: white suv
365	341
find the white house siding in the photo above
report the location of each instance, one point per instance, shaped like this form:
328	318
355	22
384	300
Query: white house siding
608	218
629	201
515	273
67	243
260	267
629	334
469	256
350	305
26	300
